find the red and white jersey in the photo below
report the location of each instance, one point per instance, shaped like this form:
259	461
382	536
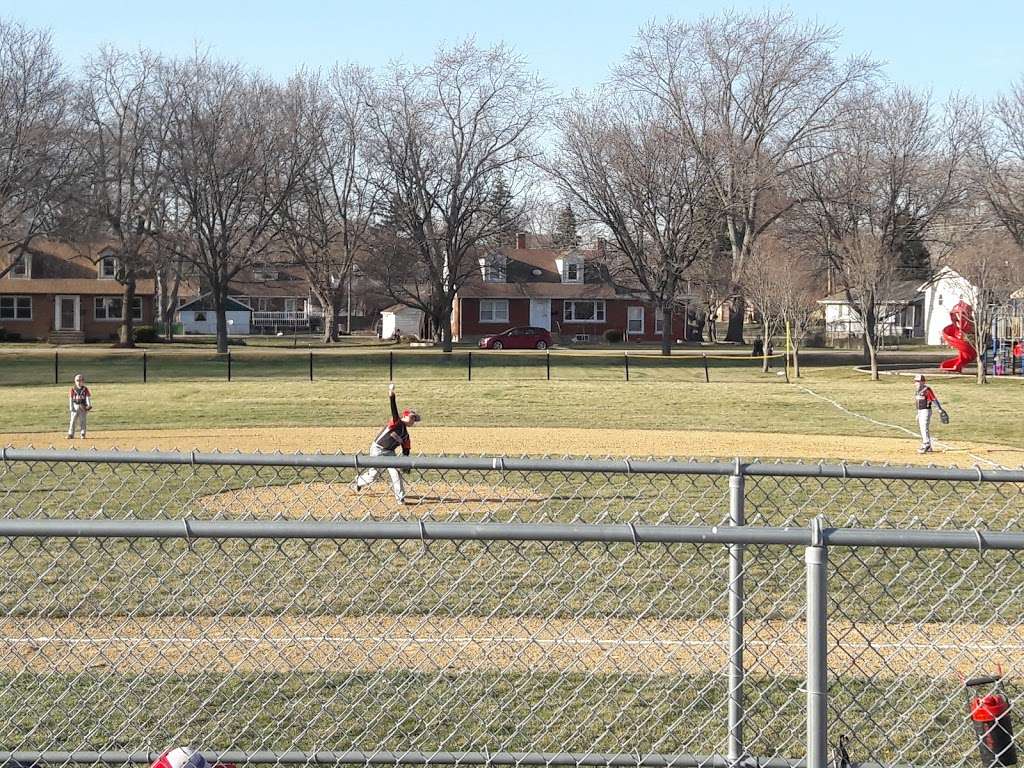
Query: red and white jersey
180	757
924	398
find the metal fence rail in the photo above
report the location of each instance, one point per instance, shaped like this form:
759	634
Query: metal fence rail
515	612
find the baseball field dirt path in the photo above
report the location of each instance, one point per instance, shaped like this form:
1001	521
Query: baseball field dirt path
539	441
373	643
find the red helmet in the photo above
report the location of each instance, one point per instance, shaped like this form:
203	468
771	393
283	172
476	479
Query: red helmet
409	413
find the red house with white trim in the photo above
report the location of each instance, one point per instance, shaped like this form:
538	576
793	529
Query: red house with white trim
566	291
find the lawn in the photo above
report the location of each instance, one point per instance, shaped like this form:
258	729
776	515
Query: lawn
901	705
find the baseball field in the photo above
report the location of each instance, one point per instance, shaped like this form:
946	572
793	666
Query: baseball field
298	644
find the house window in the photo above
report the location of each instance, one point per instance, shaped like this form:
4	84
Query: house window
635	321
22	266
291	305
493	310
137	308
108	308
573	271
940	299
659	324
108	267
15	307
584	311
262	304
494	269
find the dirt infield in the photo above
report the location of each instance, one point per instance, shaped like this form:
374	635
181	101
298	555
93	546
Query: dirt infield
540	441
465	644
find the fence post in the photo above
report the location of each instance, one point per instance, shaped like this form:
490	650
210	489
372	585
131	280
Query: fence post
311	365
56	367
469	367
707	378
549	364
626	356
816	558
145	367
229	364
391	365
737	597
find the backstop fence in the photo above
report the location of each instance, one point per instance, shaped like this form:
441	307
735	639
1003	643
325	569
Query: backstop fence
524	611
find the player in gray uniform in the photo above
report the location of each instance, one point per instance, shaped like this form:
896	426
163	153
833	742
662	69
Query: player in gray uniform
924	397
79	403
393	436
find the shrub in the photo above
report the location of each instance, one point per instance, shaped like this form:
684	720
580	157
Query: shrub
613	335
6	335
146	334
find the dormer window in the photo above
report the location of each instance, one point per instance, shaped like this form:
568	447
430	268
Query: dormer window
572	271
264	272
22	266
493	268
108	267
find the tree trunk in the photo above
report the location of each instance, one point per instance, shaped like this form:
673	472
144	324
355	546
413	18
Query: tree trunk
666	330
767	343
446	329
127	329
979	346
220	307
737	309
330	323
796	359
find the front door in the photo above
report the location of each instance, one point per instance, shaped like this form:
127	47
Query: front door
540	313
66	316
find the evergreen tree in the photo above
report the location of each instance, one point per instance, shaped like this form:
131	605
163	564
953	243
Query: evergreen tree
508	216
566	234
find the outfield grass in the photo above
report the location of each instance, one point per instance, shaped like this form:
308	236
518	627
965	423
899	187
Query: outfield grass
544	712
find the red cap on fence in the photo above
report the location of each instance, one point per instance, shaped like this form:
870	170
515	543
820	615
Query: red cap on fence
986	709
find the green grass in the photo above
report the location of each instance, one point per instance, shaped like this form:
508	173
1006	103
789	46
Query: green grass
432	709
475	711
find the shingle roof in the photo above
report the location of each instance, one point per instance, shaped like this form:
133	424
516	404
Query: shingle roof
73	286
539	291
204	303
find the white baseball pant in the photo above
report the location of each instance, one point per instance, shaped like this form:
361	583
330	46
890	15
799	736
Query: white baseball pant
924	417
78	414
370	475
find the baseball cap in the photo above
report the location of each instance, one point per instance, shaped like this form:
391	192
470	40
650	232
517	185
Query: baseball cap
409	412
919	377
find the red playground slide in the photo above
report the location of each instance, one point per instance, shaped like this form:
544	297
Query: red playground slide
955	335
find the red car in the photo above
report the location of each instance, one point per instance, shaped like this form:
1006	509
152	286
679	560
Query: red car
527	337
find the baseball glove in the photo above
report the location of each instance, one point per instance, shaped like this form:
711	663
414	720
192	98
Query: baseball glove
944	417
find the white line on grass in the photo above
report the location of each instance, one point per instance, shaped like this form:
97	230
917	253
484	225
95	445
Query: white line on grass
898	427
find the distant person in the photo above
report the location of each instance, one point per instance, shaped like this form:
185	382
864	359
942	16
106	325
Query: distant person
924	396
757	349
79	403
393	436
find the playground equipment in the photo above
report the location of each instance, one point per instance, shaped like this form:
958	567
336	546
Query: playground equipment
961	323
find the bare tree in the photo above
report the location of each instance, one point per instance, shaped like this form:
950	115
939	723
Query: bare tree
326	221
235	153
764	284
123	142
751	94
888	177
37	128
444	136
998	159
618	160
992	266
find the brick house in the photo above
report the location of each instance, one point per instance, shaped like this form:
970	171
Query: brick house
280	297
565	291
68	294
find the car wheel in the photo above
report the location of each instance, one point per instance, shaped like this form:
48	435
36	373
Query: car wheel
542	344
497	345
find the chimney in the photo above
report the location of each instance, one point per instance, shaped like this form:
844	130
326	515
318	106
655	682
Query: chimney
521	240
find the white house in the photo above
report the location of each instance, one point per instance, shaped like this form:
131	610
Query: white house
901	314
198	316
941	294
407	320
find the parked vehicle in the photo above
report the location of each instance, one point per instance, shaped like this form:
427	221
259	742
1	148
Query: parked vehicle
526	337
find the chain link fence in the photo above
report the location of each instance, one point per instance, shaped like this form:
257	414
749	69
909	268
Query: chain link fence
512	612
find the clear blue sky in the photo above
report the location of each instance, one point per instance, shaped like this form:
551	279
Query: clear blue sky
945	45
